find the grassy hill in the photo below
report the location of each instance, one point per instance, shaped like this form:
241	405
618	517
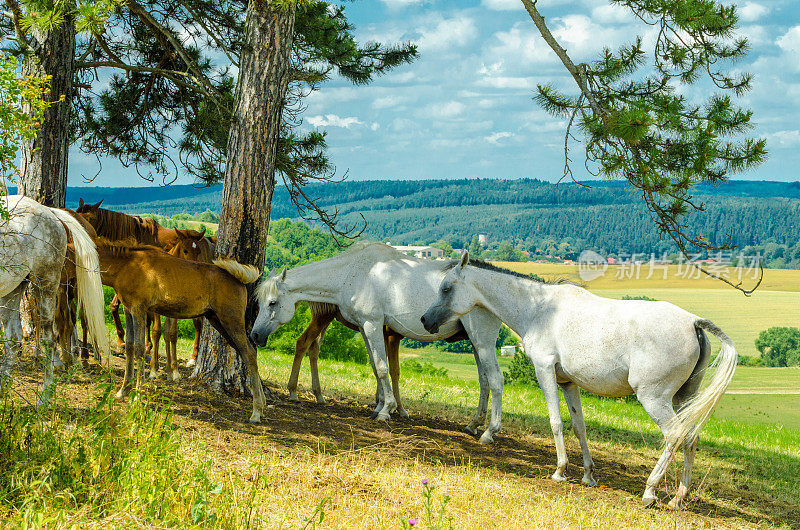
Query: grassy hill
607	216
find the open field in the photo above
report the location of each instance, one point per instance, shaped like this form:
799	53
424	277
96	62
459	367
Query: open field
366	474
623	277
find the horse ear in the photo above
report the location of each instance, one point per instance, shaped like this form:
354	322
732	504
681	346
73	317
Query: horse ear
94	206
202	233
181	233
271	273
283	275
80	203
464	259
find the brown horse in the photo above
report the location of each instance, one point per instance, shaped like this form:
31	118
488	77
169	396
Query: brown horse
148	280
193	246
117	226
322	315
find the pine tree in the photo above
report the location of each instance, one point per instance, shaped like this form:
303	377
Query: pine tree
640	127
43	34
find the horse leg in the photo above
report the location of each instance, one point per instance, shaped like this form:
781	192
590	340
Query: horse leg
572	395
122	345
47	298
316	328
393	354
198	328
171	341
313	355
483	398
65	323
373	332
12	325
232	328
129	352
546	375
155	331
660	410
378	386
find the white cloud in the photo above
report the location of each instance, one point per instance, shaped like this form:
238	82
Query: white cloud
507	82
451	109
495	137
448	33
790	44
502	5
387	102
751	11
611	14
783	139
400	4
332	120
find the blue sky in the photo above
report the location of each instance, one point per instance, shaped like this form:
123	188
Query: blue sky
464	108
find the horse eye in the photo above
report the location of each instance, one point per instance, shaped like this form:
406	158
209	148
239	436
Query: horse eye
273	302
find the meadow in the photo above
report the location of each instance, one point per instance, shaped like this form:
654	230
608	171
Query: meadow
185	457
176	455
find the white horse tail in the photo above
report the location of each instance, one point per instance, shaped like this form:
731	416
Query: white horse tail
89	285
691	418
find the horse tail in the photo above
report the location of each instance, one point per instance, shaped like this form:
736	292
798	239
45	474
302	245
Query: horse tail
244	273
691	417
89	285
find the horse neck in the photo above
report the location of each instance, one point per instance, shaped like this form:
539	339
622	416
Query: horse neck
518	302
315	282
111	263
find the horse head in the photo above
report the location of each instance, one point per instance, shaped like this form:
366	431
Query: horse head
274	307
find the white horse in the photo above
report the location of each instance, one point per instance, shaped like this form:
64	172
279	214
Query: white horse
609	347
33	246
374	285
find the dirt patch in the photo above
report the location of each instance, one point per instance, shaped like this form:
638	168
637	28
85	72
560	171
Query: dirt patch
343	425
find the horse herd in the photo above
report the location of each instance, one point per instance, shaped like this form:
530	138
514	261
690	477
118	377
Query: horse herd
574	339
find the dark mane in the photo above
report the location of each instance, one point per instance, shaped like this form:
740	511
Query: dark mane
494	268
123	247
118	226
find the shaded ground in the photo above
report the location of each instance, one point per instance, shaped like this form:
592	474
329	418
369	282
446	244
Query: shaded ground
343	425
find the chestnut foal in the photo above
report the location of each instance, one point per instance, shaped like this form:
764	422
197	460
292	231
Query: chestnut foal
193	246
148	280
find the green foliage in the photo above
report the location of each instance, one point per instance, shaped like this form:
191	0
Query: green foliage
340	343
291	243
521	370
779	346
748	360
101	462
426	368
642	128
21	109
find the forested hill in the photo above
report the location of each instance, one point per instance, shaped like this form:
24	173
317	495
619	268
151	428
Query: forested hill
606	215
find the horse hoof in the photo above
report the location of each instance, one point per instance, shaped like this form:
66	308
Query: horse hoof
120	394
589	482
558	477
176	376
648	501
255	419
190	363
403	413
383	416
674	504
321	400
486	438
293	397
470	429
153	375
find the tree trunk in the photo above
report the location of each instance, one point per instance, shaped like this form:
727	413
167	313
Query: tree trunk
250	173
44	157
